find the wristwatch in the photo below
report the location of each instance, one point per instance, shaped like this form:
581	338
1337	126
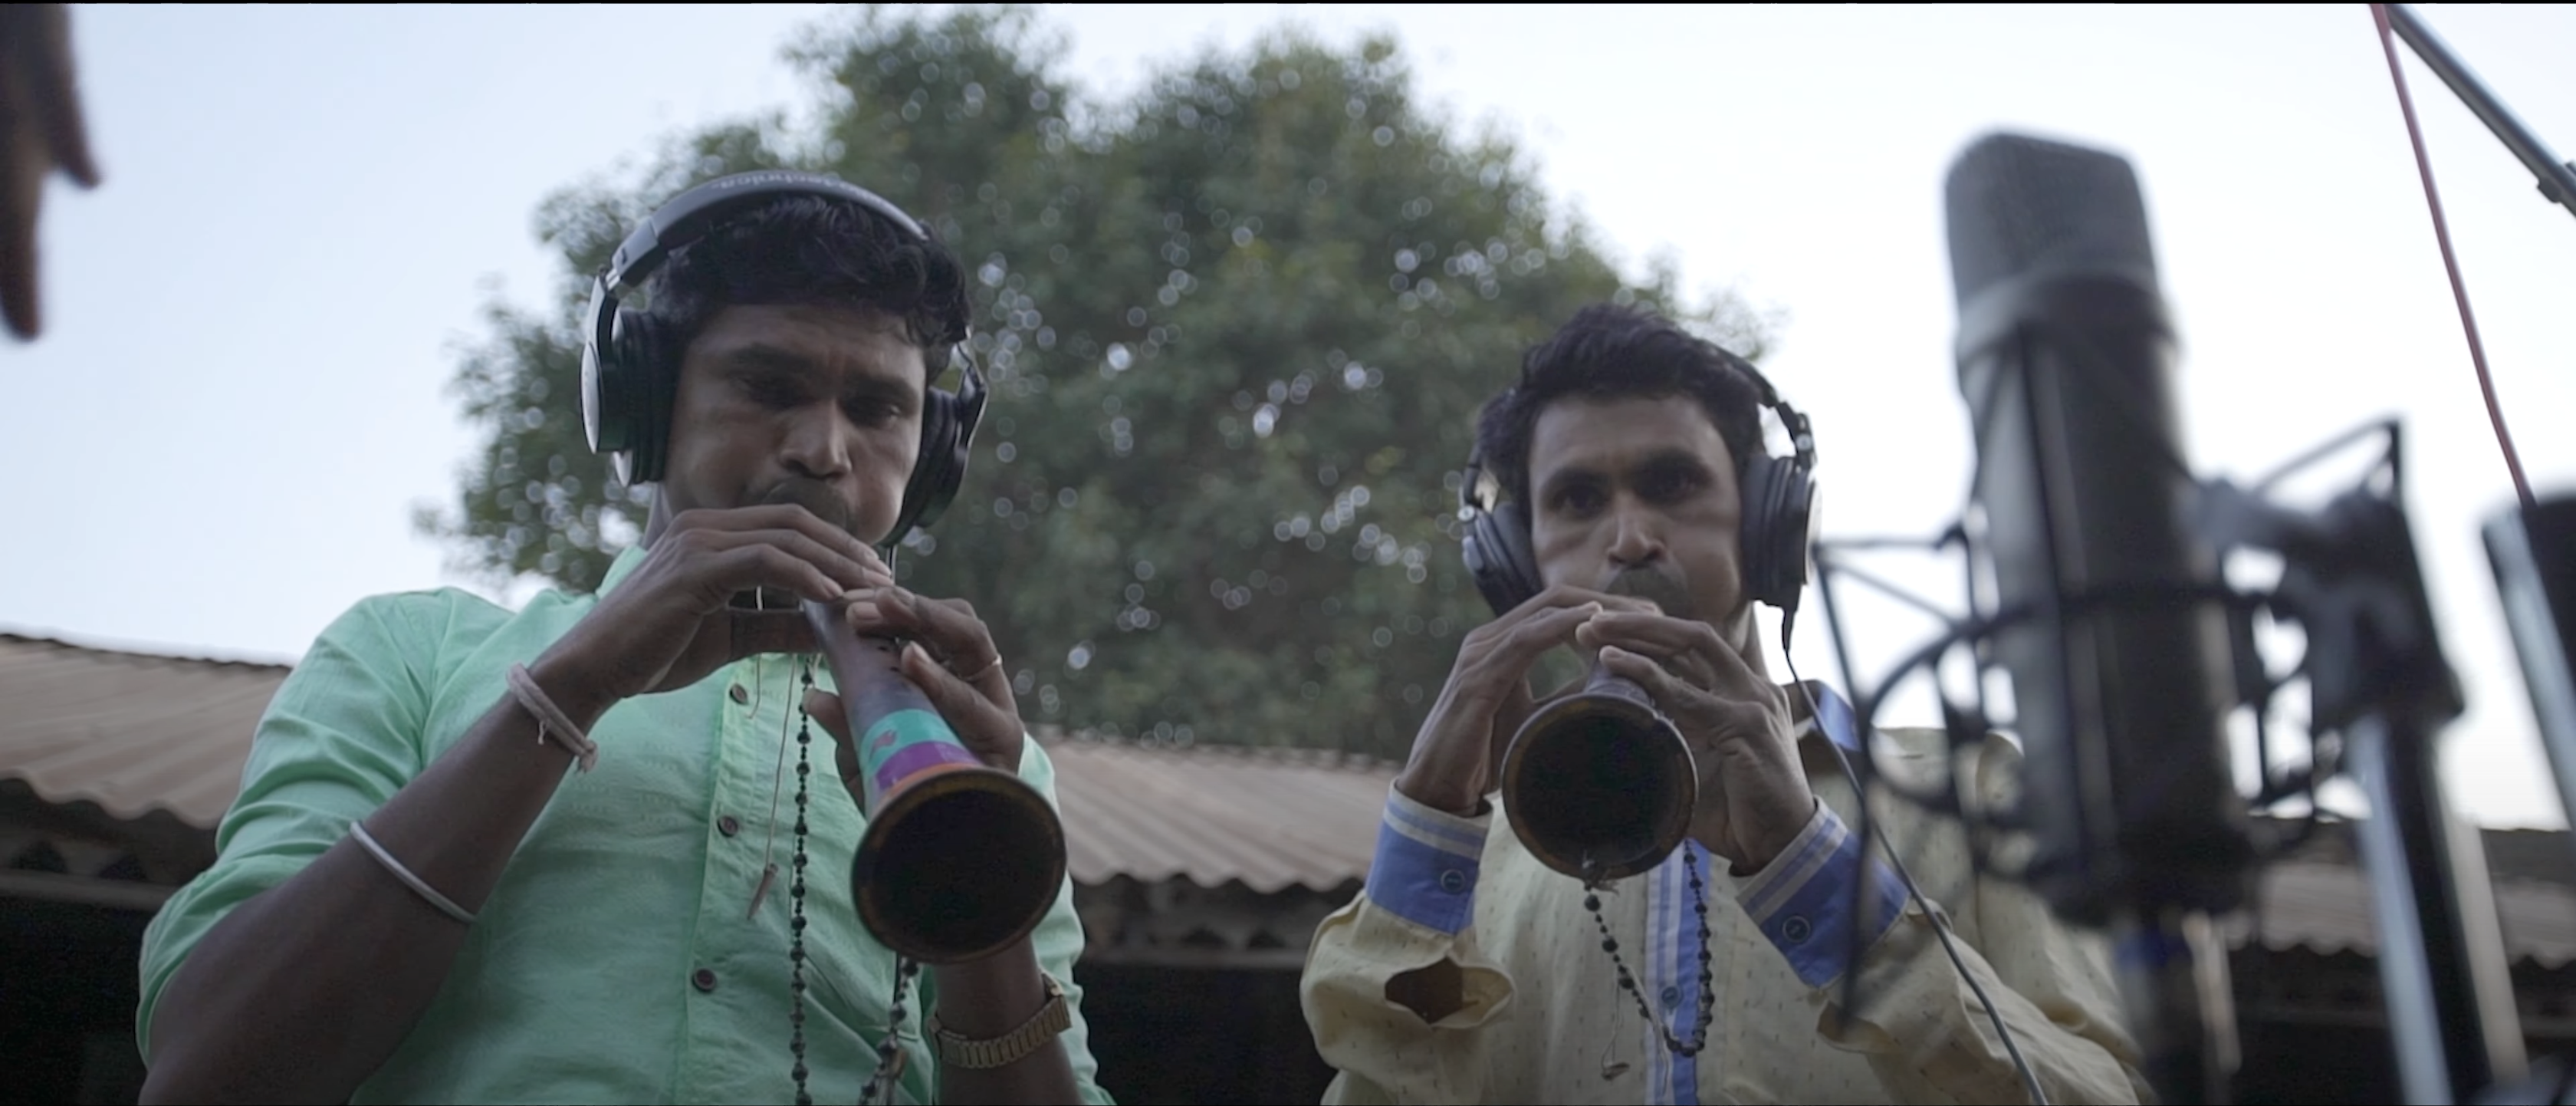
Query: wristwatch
1009	1048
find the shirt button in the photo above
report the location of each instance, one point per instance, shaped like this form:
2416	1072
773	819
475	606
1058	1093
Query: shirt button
728	825
1672	997
703	979
1453	881
1796	929
739	695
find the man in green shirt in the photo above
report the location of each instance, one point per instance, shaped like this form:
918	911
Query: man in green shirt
414	899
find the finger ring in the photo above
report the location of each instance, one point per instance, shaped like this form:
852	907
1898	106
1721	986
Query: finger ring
987	670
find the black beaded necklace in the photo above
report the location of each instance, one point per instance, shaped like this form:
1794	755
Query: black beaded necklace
1628	982
890	1049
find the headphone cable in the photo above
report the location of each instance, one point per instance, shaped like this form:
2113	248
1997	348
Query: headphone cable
1940	926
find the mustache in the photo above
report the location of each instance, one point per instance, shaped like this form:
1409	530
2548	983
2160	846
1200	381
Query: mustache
813	495
1663	589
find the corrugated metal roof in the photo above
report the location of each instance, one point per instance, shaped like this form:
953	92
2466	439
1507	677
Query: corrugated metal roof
1270	818
134	733
129	732
2325	908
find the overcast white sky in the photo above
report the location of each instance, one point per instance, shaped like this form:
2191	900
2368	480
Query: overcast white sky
240	395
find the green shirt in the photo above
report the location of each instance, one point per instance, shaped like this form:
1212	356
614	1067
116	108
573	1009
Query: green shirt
615	961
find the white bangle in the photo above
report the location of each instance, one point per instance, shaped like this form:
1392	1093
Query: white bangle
551	720
418	885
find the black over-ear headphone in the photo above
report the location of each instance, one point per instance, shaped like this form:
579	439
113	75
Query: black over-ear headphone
1779	506
629	372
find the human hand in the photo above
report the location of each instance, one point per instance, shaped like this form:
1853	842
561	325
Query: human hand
948	654
40	130
1487	697
1754	798
673	620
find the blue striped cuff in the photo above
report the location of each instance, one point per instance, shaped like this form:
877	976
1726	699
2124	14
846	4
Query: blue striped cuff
1425	870
1803	900
1836	716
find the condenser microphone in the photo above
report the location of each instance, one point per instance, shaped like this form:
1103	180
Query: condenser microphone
2065	355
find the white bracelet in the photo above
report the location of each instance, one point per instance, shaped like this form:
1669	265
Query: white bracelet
551	720
444	904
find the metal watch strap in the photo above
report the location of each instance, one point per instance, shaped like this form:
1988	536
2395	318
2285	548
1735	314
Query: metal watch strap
1053	1018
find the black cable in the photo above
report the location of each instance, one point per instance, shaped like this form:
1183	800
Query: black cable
1826	567
1940	928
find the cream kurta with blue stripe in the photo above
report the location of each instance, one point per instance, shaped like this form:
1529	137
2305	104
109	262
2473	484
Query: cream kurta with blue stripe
1545	1020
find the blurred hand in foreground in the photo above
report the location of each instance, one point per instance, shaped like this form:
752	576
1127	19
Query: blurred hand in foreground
40	131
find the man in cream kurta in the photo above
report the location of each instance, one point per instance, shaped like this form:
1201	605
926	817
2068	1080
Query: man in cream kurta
1622	508
1546	1021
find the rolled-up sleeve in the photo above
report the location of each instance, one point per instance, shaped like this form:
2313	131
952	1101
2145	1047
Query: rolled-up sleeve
1416	911
337	741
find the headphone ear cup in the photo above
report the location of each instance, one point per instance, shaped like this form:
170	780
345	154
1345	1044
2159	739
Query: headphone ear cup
609	383
1497	553
637	385
937	470
1792	528
1776	497
1758	537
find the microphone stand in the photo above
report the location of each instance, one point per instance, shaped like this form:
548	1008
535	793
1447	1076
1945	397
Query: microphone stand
2454	969
2376	673
2351	581
2557	178
2533	552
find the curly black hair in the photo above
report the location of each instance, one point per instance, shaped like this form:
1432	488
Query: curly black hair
1610	352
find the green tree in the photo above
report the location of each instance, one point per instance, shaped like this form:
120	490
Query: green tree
1237	327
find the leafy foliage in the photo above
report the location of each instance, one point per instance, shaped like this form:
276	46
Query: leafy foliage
1237	327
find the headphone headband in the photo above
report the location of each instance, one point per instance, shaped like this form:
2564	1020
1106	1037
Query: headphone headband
688	217
1802	438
